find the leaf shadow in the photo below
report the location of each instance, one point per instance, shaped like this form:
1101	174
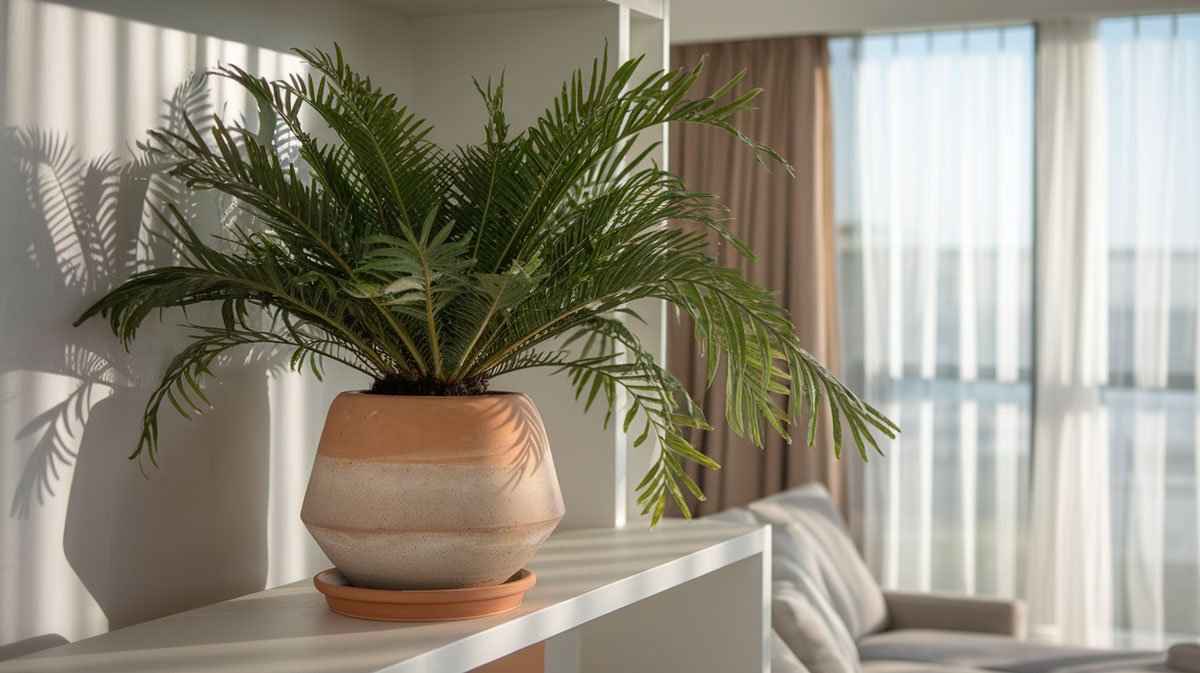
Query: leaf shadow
90	225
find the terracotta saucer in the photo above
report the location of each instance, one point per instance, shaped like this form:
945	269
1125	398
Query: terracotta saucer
422	605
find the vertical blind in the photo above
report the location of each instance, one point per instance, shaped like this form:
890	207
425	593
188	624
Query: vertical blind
935	183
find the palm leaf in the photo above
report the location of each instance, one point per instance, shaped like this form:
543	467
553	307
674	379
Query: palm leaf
429	269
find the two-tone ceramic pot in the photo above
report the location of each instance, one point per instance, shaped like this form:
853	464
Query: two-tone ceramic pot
432	492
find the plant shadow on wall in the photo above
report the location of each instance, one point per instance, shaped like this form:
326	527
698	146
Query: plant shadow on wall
80	228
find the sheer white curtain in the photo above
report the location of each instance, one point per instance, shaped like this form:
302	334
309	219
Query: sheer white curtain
1151	67
1114	545
1070	576
933	179
935	174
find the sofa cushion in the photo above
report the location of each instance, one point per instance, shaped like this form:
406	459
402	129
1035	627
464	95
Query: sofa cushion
1001	653
809	513
782	659
802	615
1184	657
892	666
734	515
810	627
792	554
801	612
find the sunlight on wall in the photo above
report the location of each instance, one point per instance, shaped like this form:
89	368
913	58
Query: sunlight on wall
40	595
297	416
86	543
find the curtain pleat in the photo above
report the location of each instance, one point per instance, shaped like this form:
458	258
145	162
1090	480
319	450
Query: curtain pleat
1070	573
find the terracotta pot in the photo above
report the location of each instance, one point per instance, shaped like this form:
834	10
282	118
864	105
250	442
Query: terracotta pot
431	492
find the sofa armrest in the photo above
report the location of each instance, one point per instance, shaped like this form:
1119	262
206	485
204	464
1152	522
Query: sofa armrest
1184	657
956	613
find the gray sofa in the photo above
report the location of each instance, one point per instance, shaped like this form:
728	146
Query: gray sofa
829	615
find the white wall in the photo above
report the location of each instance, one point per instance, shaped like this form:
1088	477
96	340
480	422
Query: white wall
535	50
695	21
86	542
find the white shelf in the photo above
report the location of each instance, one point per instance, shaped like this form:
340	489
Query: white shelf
582	575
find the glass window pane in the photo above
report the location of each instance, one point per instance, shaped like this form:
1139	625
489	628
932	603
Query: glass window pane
933	138
1151	72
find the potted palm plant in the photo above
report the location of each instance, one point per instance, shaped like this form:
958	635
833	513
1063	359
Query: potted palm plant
434	271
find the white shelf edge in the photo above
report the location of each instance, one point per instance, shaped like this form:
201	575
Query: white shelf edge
535	627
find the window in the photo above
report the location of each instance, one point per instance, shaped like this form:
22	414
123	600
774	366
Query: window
935	182
934	179
1151	72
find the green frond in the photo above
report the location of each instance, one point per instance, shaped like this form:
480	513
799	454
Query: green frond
432	267
182	385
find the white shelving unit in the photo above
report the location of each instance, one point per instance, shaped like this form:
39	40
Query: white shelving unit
687	598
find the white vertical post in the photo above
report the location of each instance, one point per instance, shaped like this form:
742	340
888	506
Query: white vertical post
646	35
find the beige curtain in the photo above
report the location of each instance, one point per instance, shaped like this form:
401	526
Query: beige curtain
788	223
